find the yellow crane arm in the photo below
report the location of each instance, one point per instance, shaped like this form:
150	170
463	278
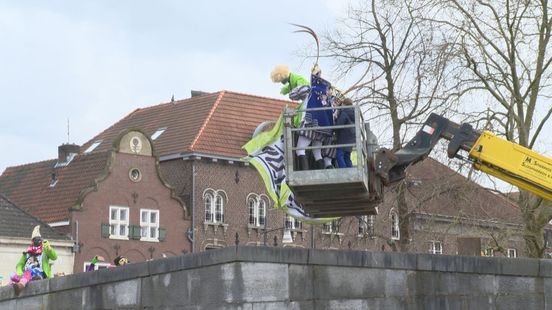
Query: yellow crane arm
513	163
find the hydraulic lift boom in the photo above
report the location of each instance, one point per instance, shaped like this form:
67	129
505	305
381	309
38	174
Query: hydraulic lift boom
488	153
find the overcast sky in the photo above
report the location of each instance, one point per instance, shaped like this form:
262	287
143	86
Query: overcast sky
94	62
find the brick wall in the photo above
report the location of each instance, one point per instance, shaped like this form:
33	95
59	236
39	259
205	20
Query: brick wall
237	181
118	190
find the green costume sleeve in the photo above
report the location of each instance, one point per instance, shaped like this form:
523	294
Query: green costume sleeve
294	81
285	90
20	265
50	252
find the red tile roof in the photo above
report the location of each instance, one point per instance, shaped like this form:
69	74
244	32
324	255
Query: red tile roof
28	186
219	124
215	124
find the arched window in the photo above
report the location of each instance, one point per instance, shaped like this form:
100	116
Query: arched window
262	211
395	233
252	214
214	206
256	205
208	207
219	209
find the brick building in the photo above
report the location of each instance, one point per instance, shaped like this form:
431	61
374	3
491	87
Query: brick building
198	143
227	198
110	203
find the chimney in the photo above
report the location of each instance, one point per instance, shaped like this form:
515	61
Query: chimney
66	152
196	93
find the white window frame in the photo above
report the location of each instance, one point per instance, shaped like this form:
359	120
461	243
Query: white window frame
331	227
292	223
363	225
488	252
256	207
366	225
157	133
214	202
208	204
395	225
434	249
118	222
219	209
97	266
148	225
93	146
511	252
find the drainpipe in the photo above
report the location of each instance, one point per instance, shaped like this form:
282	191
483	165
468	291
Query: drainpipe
312	236
77	245
193	204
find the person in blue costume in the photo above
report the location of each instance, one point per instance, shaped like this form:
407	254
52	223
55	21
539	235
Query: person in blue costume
345	135
318	97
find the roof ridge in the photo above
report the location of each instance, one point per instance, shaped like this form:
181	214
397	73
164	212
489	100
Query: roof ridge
211	112
28	164
94	138
141	109
258	96
79	156
179	101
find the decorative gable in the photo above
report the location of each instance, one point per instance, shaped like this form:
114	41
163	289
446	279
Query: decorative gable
135	142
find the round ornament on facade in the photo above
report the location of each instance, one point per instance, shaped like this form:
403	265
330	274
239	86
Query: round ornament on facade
135	175
136	144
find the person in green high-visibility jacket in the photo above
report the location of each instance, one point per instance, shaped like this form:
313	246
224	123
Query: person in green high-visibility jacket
281	74
295	85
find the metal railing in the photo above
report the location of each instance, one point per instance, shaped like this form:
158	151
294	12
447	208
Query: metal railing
290	133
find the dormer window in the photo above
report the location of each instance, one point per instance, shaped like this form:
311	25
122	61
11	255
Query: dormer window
93	146
53	180
68	159
158	132
66	153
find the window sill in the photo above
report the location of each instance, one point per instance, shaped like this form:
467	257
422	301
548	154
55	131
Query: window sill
118	237
367	236
149	240
249	226
332	233
215	226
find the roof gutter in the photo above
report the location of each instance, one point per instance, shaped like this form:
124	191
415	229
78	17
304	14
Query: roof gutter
58	224
191	156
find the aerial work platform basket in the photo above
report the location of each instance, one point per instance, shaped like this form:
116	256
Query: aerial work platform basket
340	191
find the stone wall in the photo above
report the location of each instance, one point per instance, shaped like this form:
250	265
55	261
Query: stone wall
283	278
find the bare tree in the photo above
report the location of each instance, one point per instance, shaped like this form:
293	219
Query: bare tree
401	67
505	50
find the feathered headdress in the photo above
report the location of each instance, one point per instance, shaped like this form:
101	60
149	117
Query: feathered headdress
308	30
36	232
